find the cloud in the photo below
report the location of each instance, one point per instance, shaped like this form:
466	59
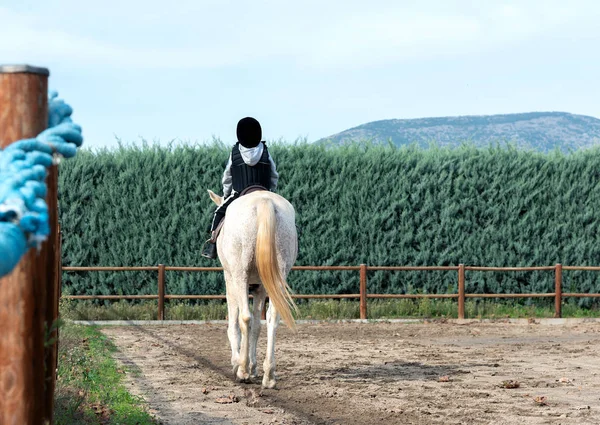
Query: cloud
311	34
23	39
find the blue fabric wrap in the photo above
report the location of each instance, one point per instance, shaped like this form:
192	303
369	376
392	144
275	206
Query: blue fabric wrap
23	170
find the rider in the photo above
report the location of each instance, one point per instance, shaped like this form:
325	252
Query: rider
249	164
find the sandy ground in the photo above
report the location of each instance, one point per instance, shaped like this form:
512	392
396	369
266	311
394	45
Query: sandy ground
388	373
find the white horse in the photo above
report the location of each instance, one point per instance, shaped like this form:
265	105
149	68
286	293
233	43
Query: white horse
257	247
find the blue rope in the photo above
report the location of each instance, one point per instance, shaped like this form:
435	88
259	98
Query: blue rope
23	170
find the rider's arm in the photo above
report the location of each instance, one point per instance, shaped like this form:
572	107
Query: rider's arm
227	181
274	174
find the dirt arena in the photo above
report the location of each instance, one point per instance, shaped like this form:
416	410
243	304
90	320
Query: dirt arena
370	373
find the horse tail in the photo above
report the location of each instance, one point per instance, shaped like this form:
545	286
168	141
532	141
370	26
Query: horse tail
267	264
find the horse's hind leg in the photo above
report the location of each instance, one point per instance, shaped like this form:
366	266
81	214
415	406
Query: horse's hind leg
258	304
244	320
233	331
269	364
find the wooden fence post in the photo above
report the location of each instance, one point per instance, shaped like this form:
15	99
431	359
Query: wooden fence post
161	292
558	290
24	306
52	317
461	291
263	314
363	291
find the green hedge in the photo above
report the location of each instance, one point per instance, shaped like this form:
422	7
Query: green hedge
378	205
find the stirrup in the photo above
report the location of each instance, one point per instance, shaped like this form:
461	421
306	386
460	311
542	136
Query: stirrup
210	250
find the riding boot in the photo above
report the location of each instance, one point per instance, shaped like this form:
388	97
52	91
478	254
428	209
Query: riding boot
210	249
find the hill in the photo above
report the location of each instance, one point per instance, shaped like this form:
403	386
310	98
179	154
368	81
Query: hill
540	131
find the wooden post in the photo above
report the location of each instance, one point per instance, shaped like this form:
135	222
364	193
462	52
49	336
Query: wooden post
363	291
558	290
59	288
161	292
263	314
52	316
23	305
461	291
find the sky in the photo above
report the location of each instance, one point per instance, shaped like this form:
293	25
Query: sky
188	70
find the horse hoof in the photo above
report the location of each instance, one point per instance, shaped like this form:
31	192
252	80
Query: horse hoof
269	383
235	369
243	377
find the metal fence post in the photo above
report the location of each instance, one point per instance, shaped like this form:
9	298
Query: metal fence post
363	291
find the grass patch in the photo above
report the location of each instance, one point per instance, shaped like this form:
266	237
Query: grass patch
474	309
325	309
89	385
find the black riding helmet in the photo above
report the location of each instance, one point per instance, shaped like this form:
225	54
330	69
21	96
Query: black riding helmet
249	132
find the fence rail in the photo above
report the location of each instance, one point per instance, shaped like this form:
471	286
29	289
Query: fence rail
363	295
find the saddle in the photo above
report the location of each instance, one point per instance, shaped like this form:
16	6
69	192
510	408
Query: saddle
249	189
